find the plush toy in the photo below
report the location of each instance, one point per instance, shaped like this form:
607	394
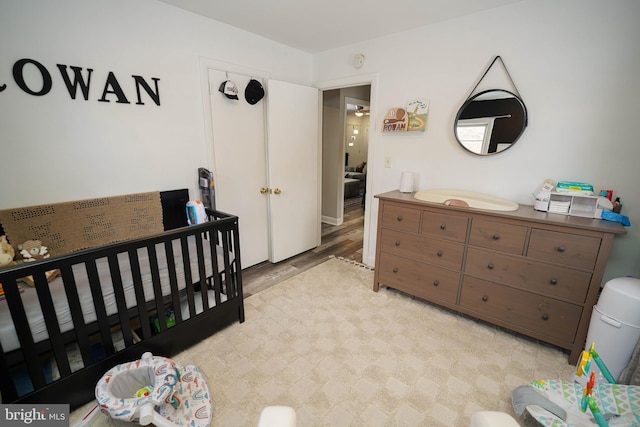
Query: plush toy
7	253
33	250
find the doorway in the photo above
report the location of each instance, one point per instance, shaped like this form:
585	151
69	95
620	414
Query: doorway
356	146
345	150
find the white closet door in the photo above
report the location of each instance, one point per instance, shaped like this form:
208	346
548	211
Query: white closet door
240	166
293	168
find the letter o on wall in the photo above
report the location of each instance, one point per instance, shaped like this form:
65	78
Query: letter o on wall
18	76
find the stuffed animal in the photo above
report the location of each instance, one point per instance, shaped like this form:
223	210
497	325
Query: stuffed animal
7	253
33	250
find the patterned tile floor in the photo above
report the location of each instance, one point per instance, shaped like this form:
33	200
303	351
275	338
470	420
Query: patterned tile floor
340	354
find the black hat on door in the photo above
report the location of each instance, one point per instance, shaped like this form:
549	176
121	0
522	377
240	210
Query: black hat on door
254	92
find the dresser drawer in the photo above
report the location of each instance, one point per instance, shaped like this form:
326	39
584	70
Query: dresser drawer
564	248
400	218
444	226
536	313
497	235
421	280
440	252
529	275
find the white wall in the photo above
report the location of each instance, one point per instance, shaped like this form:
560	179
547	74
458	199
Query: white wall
574	62
57	149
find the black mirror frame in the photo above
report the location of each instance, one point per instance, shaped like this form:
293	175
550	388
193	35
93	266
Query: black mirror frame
470	100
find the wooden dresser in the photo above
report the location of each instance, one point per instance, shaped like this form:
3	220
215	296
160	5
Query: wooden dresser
535	273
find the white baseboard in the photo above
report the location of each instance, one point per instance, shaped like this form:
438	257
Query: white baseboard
330	220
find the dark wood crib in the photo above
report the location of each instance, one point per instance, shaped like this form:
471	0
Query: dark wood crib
162	293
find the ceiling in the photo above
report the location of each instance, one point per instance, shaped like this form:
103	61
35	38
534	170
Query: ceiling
318	25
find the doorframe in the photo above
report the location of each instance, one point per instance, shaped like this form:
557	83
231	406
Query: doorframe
371	207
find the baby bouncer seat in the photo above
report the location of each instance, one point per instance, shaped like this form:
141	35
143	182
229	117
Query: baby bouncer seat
154	390
580	403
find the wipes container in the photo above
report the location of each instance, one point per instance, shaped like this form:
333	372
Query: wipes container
615	323
196	213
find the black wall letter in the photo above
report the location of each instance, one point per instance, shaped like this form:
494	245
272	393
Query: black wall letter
116	90
19	78
141	82
78	80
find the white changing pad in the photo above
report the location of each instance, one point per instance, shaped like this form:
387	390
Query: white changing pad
9	338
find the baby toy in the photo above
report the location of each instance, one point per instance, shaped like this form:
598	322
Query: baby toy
560	403
584	365
153	390
33	250
590	402
7	253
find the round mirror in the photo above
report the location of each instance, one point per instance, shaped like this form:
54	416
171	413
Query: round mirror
490	122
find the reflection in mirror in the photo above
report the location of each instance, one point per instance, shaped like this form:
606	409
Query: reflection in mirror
490	122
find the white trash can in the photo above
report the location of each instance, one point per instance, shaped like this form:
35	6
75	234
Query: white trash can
615	323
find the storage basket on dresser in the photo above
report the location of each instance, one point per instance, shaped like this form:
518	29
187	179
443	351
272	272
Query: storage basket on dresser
535	273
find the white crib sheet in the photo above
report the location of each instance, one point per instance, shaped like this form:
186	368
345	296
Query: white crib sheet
8	335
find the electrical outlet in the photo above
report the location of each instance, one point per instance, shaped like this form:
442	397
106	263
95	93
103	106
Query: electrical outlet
387	162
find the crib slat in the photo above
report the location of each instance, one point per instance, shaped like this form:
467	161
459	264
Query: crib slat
230	283
137	287
173	280
121	302
7	387
98	303
201	272
7	390
79	325
157	287
217	280
186	263
51	321
237	265
21	324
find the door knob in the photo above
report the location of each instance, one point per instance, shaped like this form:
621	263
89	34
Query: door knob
277	191
264	190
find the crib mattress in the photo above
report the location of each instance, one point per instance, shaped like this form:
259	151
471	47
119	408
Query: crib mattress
9	338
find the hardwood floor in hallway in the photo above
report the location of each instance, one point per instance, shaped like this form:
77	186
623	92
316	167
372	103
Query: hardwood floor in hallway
343	240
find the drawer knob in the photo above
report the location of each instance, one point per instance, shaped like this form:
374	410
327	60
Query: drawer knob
395	270
496	236
443	226
553	281
436	283
485	298
439	253
545	317
490	266
399	218
561	249
397	243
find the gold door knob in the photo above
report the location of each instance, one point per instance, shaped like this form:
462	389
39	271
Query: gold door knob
277	191
264	190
